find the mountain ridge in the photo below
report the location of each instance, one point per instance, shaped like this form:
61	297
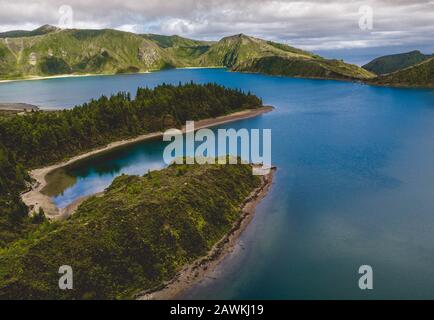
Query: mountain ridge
46	28
49	51
395	62
419	75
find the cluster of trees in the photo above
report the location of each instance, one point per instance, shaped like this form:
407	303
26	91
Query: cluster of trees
135	237
13	218
43	137
40	137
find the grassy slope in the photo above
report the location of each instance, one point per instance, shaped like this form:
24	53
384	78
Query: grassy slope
183	52
7	60
248	54
305	67
110	51
233	50
175	41
23	33
140	233
421	75
84	51
395	62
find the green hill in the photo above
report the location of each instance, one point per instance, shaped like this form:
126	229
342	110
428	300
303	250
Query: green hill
395	62
140	233
313	67
183	52
80	51
175	41
38	138
24	33
233	50
51	51
248	54
420	75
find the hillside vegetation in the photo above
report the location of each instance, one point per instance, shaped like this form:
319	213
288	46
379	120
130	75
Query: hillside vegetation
24	33
314	67
139	234
51	51
43	137
40	138
420	75
396	62
81	52
14	222
233	50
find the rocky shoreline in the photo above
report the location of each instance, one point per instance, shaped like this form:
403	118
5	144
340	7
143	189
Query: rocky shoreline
195	272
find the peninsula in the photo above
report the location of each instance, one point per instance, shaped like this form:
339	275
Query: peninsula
54	139
142	234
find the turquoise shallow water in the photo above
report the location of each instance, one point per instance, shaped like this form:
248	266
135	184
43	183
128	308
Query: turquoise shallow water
354	186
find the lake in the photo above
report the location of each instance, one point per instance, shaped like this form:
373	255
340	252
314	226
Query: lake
354	185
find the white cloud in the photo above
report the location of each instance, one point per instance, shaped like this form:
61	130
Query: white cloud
312	24
180	26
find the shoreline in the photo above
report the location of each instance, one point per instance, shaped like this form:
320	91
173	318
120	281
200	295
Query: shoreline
198	270
353	80
211	67
35	199
60	76
348	80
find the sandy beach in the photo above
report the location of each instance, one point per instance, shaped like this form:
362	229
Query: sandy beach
32	78
210	67
201	268
35	199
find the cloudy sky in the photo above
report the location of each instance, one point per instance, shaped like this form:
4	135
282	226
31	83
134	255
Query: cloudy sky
341	28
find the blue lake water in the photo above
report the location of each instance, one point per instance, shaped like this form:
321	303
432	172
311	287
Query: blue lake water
354	186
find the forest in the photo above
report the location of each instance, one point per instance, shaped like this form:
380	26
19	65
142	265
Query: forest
40	138
45	137
135	237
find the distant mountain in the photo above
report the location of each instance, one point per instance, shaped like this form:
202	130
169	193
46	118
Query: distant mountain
420	75
184	52
80	51
52	51
176	41
305	67
23	33
233	50
247	54
392	63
